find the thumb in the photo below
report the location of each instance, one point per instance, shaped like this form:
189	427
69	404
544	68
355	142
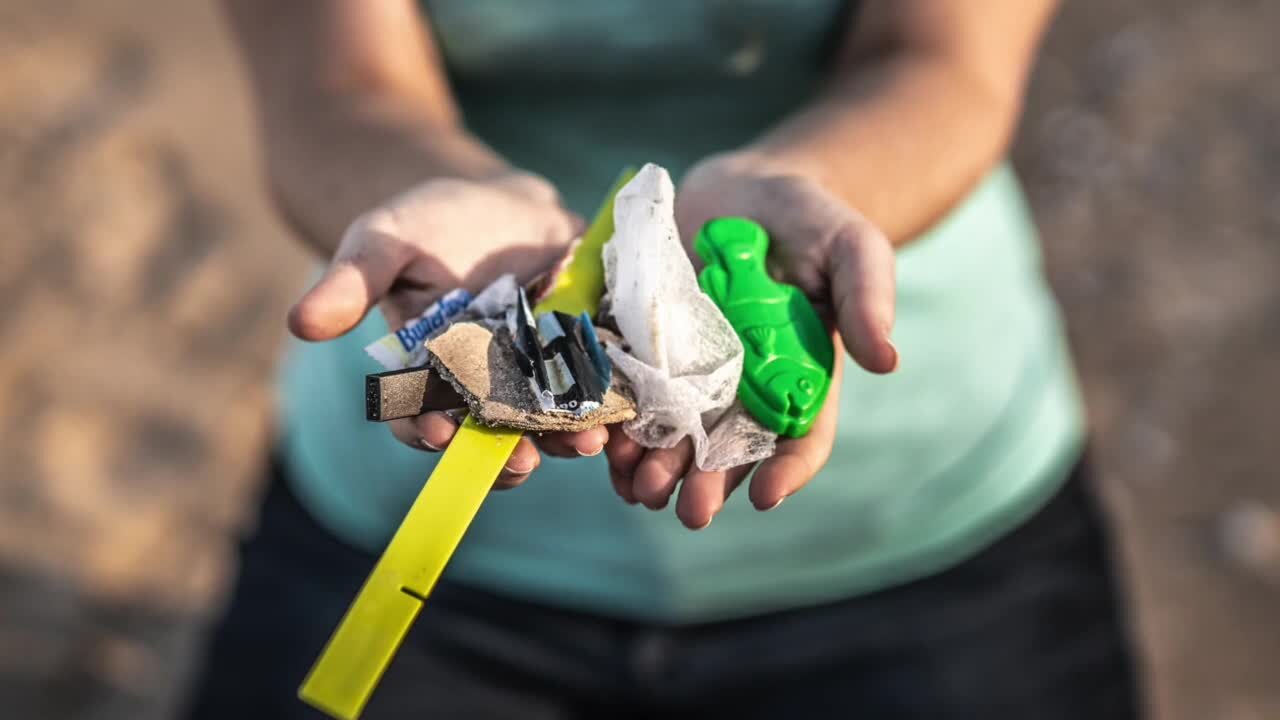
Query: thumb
863	294
367	263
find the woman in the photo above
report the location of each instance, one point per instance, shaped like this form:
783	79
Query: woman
943	560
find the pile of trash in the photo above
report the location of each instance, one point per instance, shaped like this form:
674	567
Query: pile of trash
659	357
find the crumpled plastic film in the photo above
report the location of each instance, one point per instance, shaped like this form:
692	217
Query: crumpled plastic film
490	305
406	347
736	438
685	359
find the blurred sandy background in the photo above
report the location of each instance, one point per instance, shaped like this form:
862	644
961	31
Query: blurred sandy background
143	283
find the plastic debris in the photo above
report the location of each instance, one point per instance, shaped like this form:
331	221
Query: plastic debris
560	358
404	348
480	363
789	355
492	302
685	359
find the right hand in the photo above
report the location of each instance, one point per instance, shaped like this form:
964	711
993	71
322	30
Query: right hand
832	253
436	236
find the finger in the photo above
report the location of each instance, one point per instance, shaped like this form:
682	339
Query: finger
659	471
622	487
702	494
862	289
523	461
366	265
587	443
430	431
798	460
623	455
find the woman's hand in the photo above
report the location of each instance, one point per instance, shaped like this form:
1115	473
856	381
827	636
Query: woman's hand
437	236
846	267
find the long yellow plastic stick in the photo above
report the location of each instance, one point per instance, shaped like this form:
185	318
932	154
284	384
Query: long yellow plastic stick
359	651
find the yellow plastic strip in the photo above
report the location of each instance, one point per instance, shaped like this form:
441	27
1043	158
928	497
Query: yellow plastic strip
368	636
581	283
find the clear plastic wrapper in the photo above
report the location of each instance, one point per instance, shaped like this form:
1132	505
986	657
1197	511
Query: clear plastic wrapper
406	347
684	359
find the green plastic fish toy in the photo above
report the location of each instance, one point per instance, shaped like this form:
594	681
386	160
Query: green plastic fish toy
786	371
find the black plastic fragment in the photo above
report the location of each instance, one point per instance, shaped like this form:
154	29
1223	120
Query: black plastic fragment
561	358
405	393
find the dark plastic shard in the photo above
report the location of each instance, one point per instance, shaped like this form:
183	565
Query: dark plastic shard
595	351
559	373
524	337
587	388
560	357
405	393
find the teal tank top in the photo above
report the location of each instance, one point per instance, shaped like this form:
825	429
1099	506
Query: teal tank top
971	435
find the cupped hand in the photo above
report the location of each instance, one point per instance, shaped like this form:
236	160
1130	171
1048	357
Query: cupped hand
436	236
839	259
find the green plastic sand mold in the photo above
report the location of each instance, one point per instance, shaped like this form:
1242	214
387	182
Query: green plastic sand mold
786	371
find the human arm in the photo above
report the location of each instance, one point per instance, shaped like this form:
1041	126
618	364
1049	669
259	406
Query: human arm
920	105
367	159
922	102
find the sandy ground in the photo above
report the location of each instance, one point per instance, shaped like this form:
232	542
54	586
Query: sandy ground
144	281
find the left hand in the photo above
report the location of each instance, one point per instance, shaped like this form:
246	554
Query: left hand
440	234
819	244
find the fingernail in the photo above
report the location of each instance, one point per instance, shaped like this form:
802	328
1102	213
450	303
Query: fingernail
423	442
518	469
776	504
896	357
597	452
703	526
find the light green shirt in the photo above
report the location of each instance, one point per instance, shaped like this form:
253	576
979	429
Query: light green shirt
971	435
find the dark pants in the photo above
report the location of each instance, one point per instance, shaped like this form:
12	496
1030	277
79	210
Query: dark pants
1029	628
